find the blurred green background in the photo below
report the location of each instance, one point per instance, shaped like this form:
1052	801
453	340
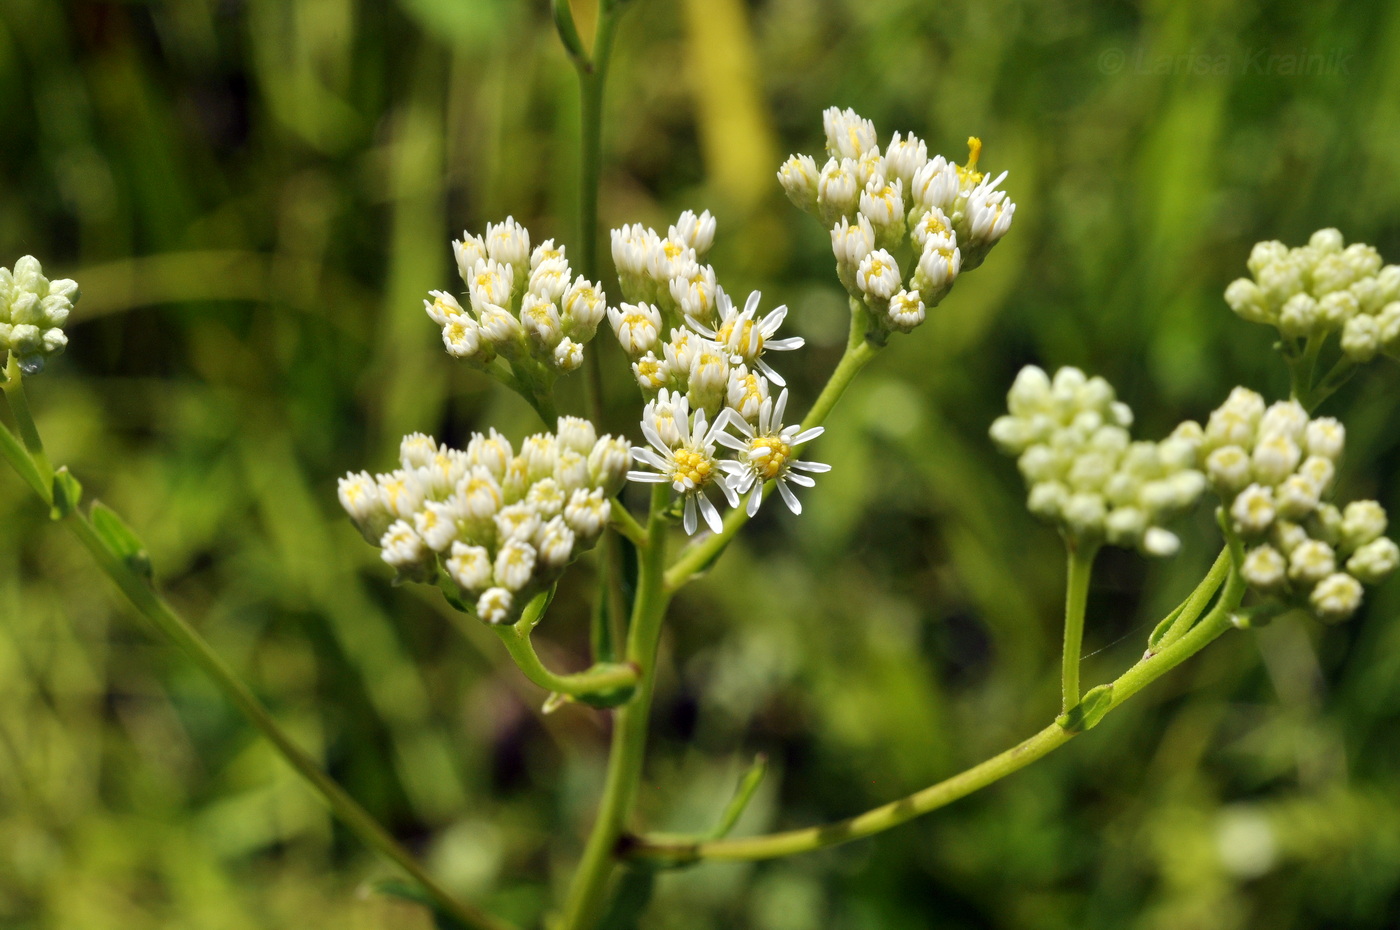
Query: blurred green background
255	195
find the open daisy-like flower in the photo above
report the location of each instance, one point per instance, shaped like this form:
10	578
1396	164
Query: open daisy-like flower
686	461
746	336
767	454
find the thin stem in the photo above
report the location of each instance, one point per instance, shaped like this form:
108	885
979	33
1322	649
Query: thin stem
602	677
1081	567
1339	375
587	895
958	786
1195	603
626	524
19	459
19	406
698	555
185	638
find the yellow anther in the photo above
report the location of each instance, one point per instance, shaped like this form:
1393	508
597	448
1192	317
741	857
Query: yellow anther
692	468
769	456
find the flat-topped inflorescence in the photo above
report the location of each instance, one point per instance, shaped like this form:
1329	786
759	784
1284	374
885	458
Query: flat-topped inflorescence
1085	474
1324	287
523	305
1272	467
903	225
499	524
33	310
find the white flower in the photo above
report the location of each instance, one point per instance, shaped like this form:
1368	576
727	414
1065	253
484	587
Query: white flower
766	454
798	176
607	463
878	277
1253	510
515	563
904	157
583	305
697	232
1362	521
746	336
492	283
1311	561
494	606
547	496
576	433
1336	597
555	544
587	513
838	189
688	464
989	211
33	310
499	328
638	326
939	264
1374	561
550	279
906	311
508	243
1264	568
403	547
468	252
851	242
470	567
746	393
882	202
651	373
568	355
847	135
693	290
461	337
571	472
935	185
517	521
540	320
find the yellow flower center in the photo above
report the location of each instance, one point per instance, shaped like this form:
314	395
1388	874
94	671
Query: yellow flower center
692	467
769	456
673	249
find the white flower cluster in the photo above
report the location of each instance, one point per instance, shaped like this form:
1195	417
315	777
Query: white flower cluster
708	376
1271	467
1070	435
1322	288
525	306
880	205
500	523
33	310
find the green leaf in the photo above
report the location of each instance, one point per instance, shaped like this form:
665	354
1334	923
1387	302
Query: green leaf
1160	629
1087	713
120	539
67	492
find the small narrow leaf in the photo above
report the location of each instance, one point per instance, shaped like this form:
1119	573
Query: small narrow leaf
67	492
568	32
1087	713
120	539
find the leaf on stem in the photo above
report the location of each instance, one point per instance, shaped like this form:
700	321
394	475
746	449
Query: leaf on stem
1087	713
121	540
568	32
67	492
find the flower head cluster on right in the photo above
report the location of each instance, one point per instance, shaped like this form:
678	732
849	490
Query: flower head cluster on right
903	225
1272	466
1324	287
33	310
1086	475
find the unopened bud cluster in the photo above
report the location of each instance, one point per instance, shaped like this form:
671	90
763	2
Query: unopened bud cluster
903	225
1272	467
500	523
523	305
33	310
1085	474
1322	288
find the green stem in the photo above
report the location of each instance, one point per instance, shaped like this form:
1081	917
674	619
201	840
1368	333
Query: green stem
19	459
602	677
698	555
1195	603
197	649
19	406
1147	670
587	894
1081	567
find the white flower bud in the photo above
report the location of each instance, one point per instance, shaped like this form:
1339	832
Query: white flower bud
1247	300
904	157
1253	510
798	176
480	494
548	497
443	308
587	513
508	243
1361	338
1288	536
470	567
935	185
1264	254
572	470
576	433
401	494
1296	497
583	306
1326	437
1311	561
906	311
838	190
491	452
1319	472
883	204
1275	457
1030	392
540	320
1264	568
847	135
852	242
417	450
517	521
492	284
469	251
1362	521
697	232
403	547
989	211
1336	597
1285	418
495	605
932	223
746	392
550	280
1373	562
1047	500
1160	543
359	495
939	264
515	563
651	373
608	462
1124	526
499	328
878	276
1084	514
556	545
638	327
462	337
568	355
